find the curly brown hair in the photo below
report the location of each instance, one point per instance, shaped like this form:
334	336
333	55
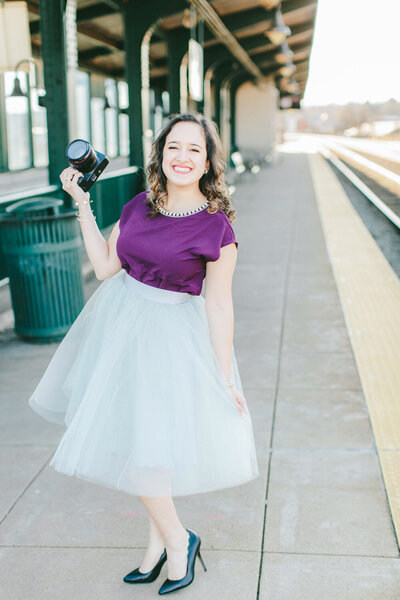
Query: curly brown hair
212	184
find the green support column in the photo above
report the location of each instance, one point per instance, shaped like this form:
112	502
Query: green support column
136	23
219	75
200	106
30	135
158	95
236	81
232	111
216	60
220	69
3	127
54	65
138	17
178	44
217	101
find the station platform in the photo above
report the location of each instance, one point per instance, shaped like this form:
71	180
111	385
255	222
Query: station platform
28	179
317	340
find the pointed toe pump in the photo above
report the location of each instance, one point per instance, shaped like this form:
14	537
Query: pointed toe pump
137	576
172	585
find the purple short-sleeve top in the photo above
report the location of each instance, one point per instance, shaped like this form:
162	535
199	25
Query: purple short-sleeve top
169	252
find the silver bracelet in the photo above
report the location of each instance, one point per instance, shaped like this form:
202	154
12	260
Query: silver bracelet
84	202
87	220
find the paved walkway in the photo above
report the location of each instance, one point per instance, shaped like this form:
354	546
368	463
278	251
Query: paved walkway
314	526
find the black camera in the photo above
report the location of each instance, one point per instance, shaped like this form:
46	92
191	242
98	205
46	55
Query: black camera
88	161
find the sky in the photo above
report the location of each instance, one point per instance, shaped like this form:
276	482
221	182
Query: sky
356	52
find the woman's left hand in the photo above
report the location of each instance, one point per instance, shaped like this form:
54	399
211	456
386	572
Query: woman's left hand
239	399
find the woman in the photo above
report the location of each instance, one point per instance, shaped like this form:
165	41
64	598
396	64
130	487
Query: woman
146	379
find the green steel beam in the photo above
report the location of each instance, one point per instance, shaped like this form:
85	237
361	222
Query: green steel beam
90	53
307	26
224	35
254	16
226	59
233	22
249	43
242	19
54	65
112	73
95	11
289	6
177	44
217	51
261	57
221	69
117	4
83	14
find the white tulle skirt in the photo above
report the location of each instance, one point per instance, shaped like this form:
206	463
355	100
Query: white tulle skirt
138	385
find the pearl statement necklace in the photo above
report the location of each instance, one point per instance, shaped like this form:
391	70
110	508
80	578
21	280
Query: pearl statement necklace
186	213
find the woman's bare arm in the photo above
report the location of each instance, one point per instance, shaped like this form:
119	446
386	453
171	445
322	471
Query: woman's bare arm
102	254
110	264
219	305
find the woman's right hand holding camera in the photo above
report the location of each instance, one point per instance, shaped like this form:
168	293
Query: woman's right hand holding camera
69	179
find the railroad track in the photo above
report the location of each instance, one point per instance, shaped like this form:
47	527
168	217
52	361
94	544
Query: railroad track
375	172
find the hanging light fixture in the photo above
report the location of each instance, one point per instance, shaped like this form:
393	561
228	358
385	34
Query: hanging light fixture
281	82
287	84
293	86
288	69
32	78
17	91
279	31
284	54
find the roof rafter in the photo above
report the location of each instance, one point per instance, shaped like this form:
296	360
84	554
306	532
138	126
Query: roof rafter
215	24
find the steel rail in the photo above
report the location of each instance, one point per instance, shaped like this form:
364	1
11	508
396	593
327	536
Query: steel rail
360	185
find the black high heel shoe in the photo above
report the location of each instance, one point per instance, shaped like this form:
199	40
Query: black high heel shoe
137	576
172	585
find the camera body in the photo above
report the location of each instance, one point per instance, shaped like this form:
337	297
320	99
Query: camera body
88	161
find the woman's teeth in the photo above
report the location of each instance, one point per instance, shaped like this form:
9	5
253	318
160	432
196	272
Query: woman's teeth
181	169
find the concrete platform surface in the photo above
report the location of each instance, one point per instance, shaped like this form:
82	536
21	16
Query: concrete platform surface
315	524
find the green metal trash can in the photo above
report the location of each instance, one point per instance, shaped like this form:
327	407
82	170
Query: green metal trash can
41	244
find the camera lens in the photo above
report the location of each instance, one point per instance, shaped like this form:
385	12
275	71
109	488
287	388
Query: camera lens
81	155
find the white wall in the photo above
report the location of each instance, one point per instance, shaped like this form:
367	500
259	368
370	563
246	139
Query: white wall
256	118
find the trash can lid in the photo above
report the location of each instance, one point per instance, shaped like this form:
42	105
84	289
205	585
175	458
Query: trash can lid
38	206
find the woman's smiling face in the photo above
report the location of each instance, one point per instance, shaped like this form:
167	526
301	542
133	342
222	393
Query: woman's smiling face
185	154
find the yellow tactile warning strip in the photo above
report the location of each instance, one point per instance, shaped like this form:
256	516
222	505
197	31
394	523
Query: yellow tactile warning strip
369	291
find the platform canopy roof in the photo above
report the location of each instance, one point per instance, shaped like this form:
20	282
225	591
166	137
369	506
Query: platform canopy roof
240	24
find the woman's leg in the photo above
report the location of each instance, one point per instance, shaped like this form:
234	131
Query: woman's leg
155	547
174	535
